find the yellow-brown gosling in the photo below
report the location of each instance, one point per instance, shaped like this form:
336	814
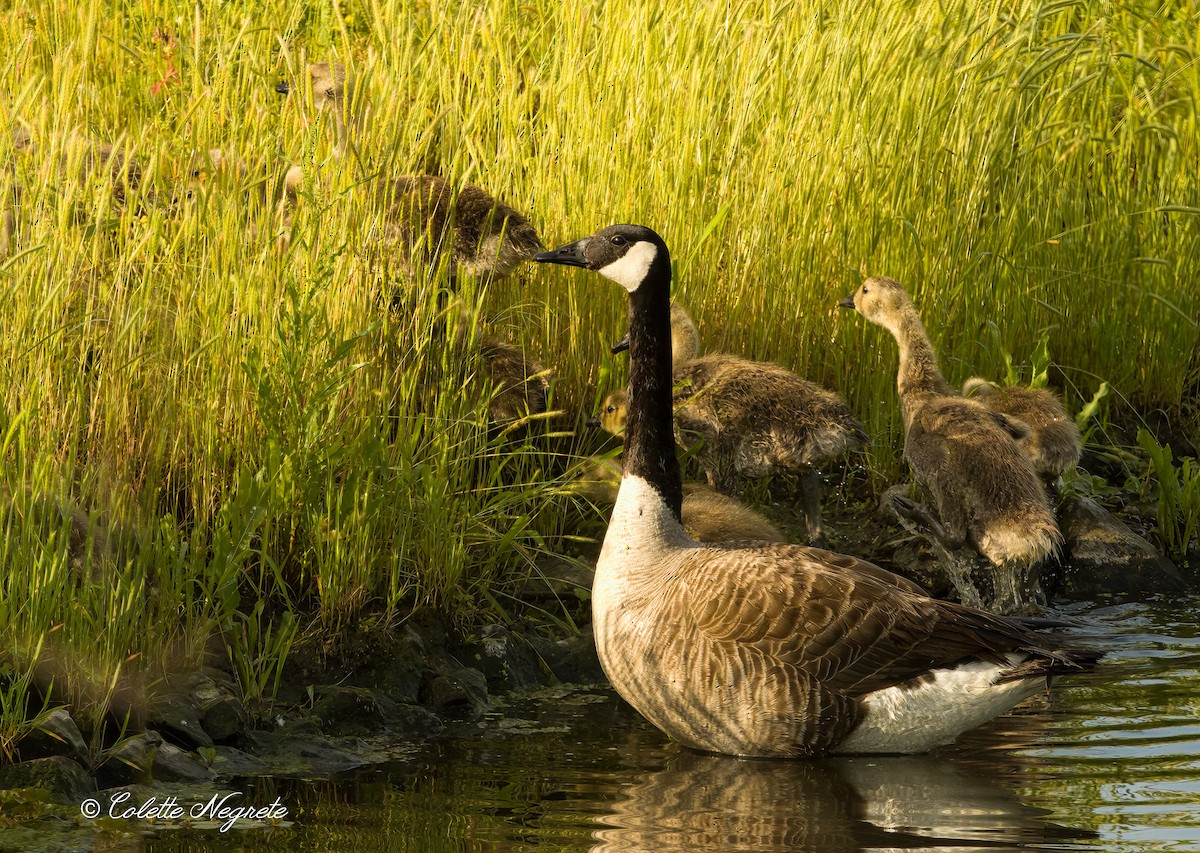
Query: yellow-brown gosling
485	236
771	649
708	515
1053	444
984	489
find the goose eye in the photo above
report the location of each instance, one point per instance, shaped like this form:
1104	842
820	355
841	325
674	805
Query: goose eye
617	240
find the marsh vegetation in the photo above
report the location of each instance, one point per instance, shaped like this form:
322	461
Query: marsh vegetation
272	451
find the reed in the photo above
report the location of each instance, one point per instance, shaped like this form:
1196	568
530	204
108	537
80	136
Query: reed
288	455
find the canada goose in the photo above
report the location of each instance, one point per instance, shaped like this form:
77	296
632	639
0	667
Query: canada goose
485	236
1053	445
983	487
771	649
753	419
708	515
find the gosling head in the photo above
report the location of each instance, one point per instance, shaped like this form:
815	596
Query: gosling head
878	299
628	254
613	412
685	338
332	89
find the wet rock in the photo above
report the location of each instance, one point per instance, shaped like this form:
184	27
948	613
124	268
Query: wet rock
305	757
457	690
53	733
130	761
177	714
508	661
172	764
195	710
229	761
221	711
361	711
1103	556
572	660
61	776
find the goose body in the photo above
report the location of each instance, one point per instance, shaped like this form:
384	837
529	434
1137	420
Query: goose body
749	419
425	215
1053	444
771	649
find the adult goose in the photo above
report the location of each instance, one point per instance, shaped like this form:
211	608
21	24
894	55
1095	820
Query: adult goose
771	649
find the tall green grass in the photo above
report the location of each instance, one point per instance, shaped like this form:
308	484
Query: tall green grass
282	447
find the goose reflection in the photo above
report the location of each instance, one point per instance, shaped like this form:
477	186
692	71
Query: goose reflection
701	802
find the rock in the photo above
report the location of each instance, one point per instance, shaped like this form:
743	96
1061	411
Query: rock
1103	556
178	715
460	689
362	711
573	660
53	733
172	764
305	757
195	710
57	774
508	661
130	761
559	578
233	762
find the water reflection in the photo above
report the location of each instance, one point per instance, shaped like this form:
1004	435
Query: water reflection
715	803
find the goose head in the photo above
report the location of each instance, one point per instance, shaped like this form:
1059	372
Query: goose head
880	300
630	255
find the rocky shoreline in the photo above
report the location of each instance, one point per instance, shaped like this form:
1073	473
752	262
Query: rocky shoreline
372	695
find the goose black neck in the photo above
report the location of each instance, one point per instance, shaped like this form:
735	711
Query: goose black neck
649	426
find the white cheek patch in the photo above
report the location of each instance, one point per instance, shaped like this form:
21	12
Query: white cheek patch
630	269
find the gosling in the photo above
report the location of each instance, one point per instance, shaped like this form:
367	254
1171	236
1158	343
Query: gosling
984	488
1053	446
750	419
708	515
486	237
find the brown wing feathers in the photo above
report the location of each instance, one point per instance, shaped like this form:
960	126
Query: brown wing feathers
848	626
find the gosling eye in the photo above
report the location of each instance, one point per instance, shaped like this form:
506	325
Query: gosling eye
865	291
617	240
609	410
329	93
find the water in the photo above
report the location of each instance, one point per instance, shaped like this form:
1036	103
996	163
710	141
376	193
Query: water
1109	763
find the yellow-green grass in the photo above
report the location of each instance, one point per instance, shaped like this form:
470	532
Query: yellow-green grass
280	446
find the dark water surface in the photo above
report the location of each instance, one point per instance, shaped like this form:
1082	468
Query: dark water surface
1110	762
